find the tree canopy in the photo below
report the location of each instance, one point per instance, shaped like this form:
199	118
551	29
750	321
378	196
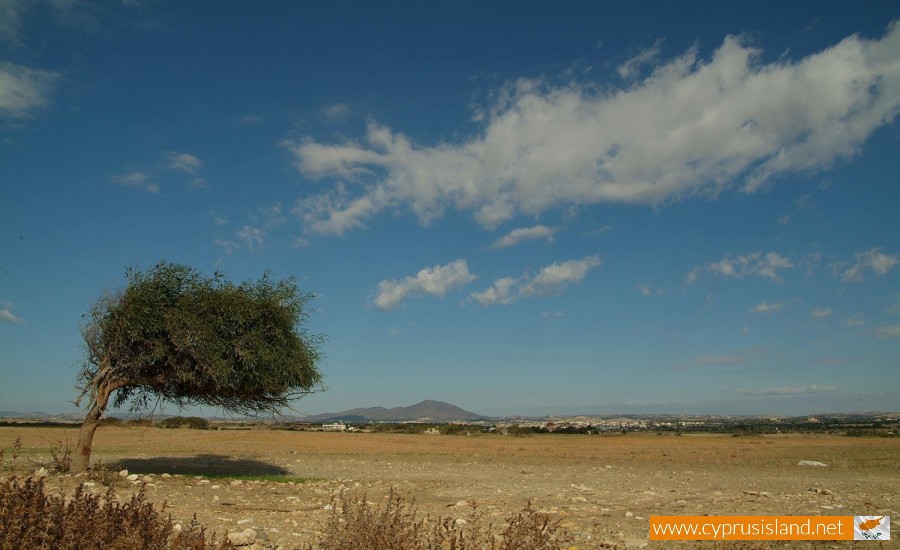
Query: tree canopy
174	334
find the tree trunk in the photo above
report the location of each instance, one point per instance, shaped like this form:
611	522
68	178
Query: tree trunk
82	459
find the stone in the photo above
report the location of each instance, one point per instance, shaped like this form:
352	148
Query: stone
123	473
41	472
242	538
132	477
811	463
165	476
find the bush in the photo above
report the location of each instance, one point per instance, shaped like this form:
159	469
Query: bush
30	518
361	526
193	422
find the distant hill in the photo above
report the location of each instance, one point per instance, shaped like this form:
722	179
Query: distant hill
437	411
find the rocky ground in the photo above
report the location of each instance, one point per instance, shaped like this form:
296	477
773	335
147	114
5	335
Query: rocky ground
603	495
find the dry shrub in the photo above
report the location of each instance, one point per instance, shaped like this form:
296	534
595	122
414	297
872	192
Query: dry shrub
362	526
31	518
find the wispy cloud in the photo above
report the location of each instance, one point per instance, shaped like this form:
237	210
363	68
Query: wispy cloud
631	68
692	126
873	260
820	313
766	308
336	111
516	236
855	320
250	120
718	360
23	90
791	390
199	183
252	237
550	280
7	316
136	180
432	281
754	264
888	331
185	162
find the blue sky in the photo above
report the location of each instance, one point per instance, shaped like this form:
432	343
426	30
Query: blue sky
516	207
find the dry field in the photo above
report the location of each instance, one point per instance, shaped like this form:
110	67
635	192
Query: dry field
603	488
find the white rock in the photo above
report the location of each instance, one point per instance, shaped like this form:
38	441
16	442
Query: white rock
123	473
242	538
148	479
166	476
811	463
629	514
132	477
463	503
243	521
41	472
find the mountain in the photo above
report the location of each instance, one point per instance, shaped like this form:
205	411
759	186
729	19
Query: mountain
437	411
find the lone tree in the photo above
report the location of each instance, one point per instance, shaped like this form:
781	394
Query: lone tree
175	335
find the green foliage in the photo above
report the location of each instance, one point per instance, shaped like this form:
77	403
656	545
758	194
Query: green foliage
177	335
193	422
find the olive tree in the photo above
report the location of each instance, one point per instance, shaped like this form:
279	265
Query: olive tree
175	335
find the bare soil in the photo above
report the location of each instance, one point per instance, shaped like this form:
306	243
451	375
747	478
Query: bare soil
602	488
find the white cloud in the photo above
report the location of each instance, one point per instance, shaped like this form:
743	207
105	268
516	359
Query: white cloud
253	237
9	317
888	331
336	111
894	309
335	212
433	281
820	313
645	290
199	183
872	260
632	67
10	22
744	265
516	236
792	390
550	280
691	126
23	90
136	180
250	120
719	360
766	308
183	161
551	314
855	321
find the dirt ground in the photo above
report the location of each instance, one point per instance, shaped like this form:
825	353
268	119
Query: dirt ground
602	488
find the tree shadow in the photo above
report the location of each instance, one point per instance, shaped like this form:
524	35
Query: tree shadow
200	465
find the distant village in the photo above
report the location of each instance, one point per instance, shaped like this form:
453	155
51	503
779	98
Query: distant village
861	424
